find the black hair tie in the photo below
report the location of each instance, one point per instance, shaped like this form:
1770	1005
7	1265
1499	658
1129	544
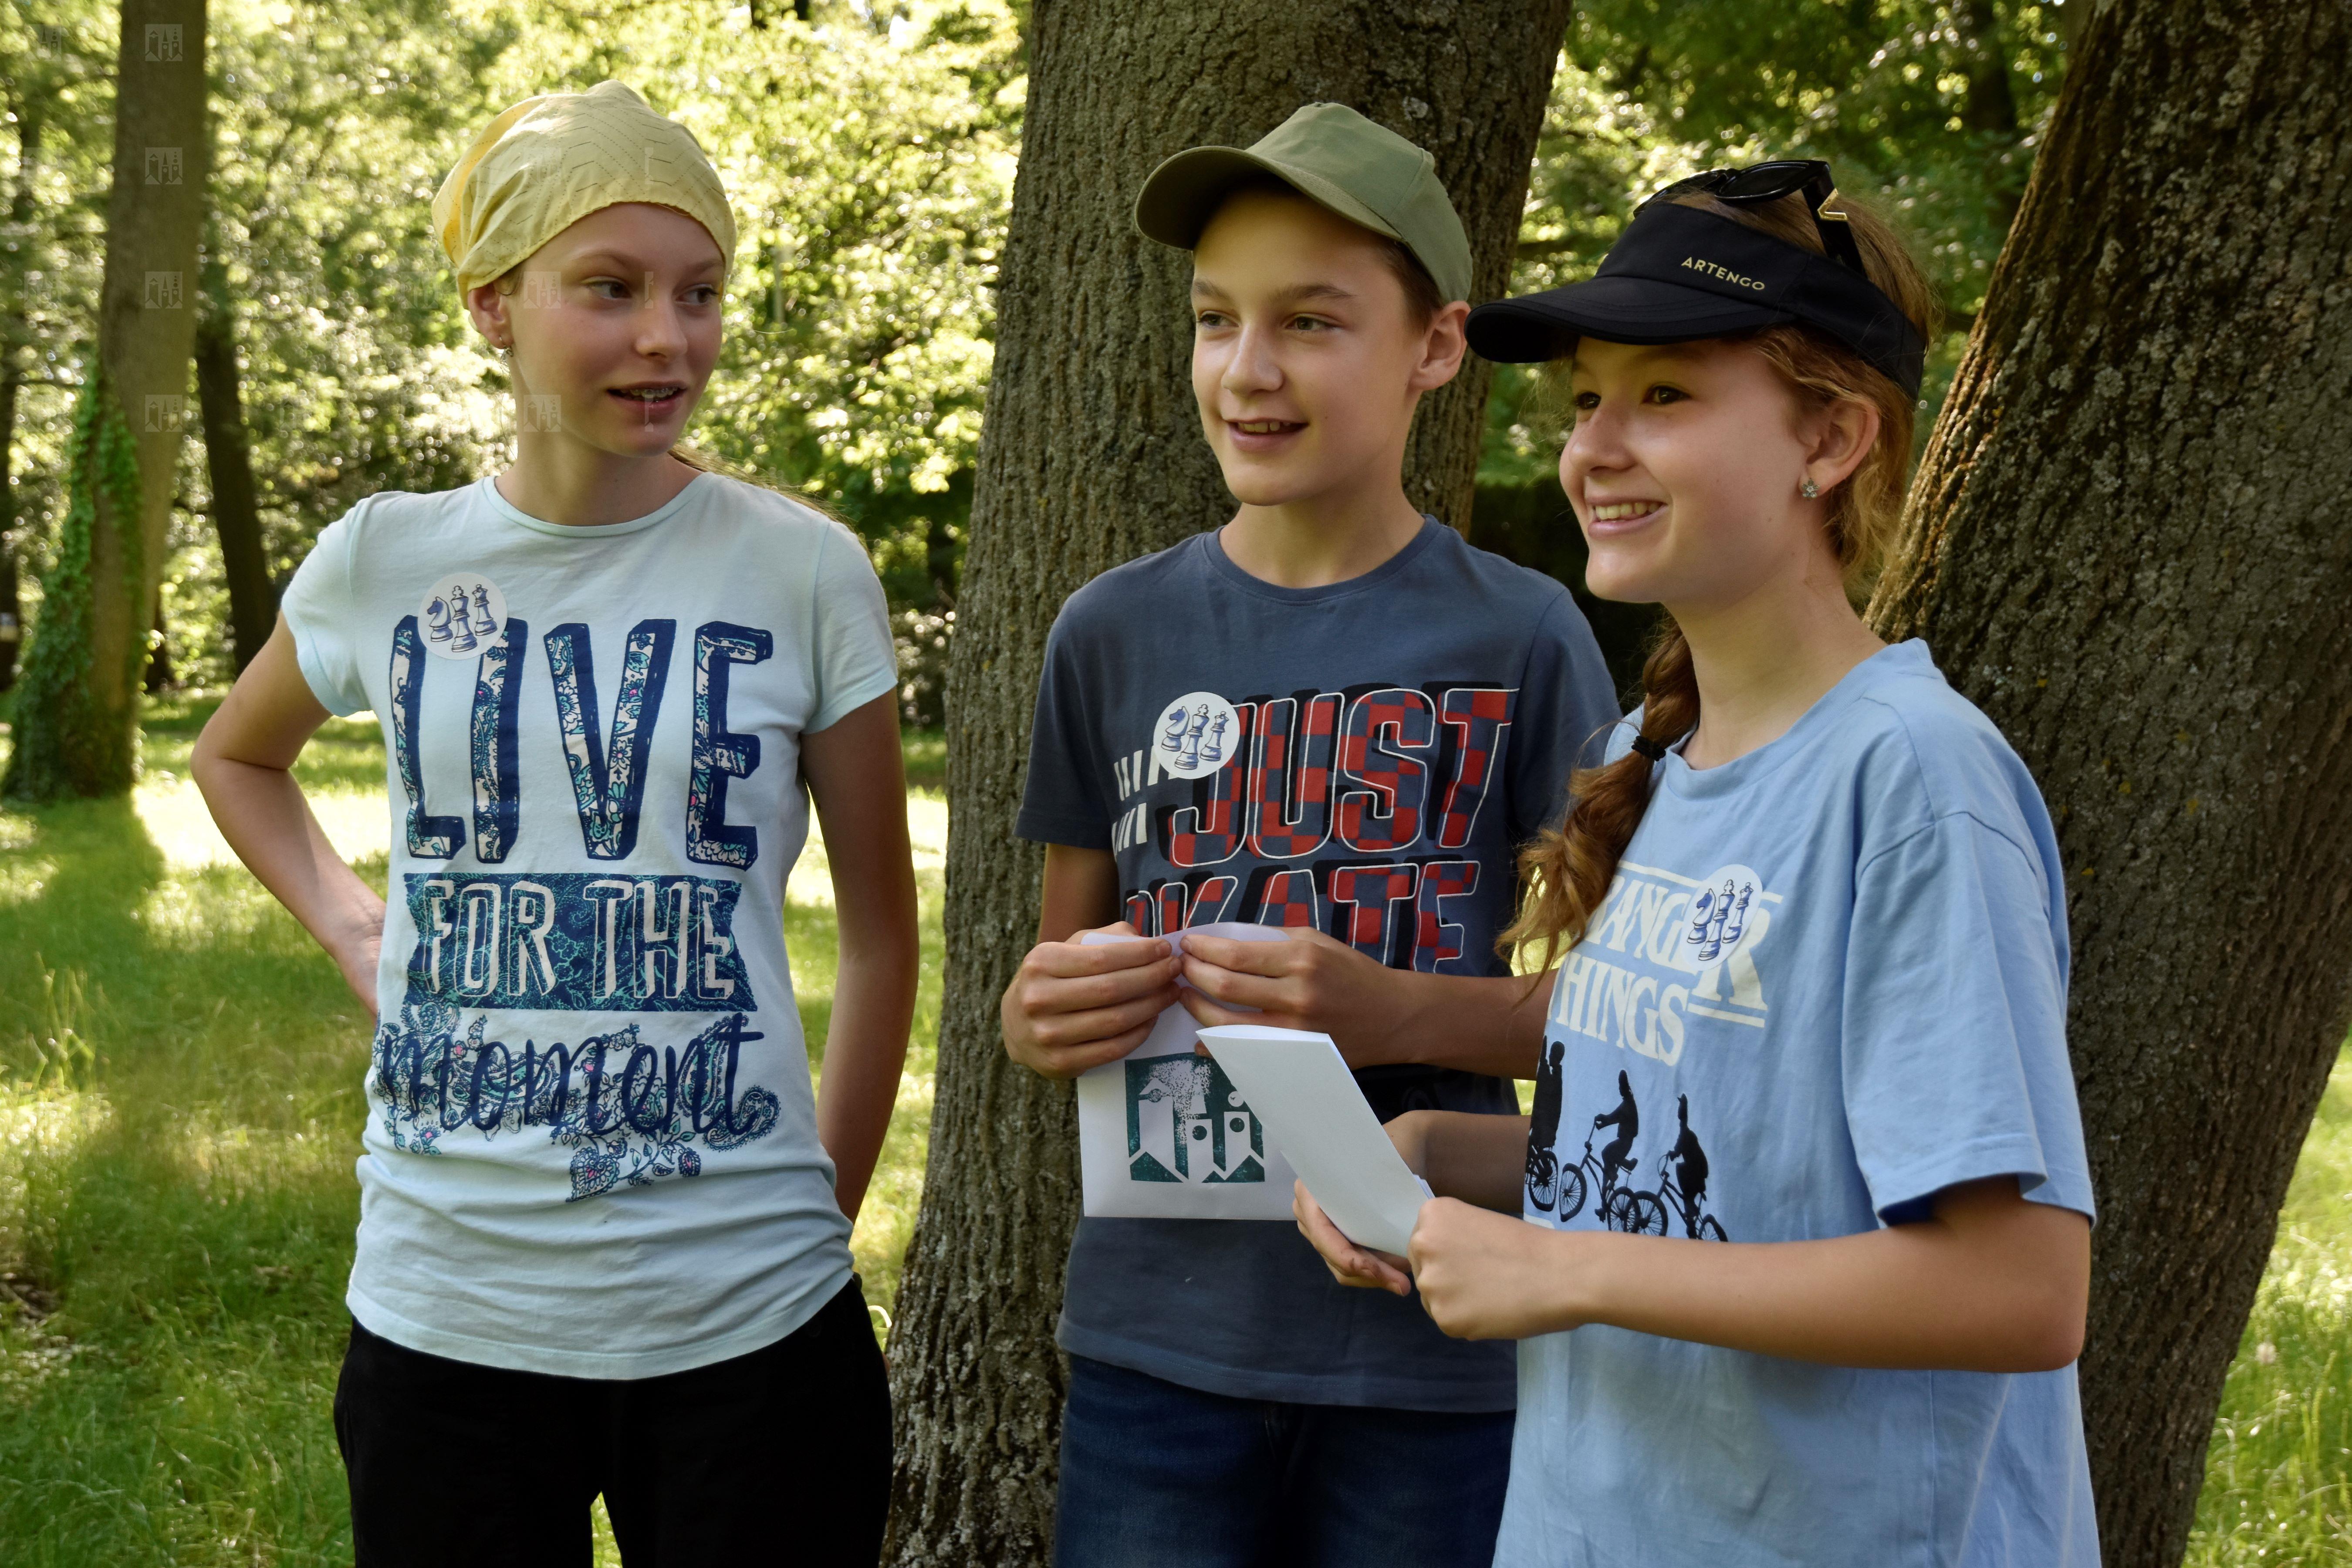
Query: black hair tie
1653	750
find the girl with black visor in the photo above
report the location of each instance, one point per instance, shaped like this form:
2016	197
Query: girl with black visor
1809	914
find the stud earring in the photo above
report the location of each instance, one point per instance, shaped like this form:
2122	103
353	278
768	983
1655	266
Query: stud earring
1809	490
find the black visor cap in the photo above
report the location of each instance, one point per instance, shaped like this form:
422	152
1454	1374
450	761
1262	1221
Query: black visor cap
1679	274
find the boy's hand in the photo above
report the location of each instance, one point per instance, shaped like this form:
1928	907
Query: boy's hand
1360	1266
1310	981
1072	1005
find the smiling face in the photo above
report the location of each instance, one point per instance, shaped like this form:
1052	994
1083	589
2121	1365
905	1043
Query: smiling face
1685	465
1308	362
617	319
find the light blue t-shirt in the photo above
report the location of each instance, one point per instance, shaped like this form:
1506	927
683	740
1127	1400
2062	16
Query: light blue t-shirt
1829	982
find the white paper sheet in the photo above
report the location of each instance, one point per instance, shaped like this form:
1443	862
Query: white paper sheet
1161	1133
1325	1128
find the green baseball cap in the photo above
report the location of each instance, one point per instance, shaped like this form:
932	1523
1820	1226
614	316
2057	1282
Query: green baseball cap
1335	158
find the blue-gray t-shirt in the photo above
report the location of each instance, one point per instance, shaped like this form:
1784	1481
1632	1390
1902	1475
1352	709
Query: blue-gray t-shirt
1829	982
1364	758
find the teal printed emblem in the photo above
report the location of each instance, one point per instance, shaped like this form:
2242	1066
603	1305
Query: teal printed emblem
1186	1123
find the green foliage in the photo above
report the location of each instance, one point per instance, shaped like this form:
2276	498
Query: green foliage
68	740
869	160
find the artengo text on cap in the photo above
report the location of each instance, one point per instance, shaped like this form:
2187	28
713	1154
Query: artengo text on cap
1725	273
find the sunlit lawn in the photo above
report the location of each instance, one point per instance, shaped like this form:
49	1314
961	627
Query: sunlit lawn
179	1109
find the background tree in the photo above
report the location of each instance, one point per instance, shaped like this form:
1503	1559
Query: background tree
1092	456
77	717
2131	545
49	245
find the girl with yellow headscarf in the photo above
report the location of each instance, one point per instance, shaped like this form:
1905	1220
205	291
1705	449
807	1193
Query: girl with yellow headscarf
604	1221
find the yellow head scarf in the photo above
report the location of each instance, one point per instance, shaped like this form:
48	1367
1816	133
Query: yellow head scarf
549	162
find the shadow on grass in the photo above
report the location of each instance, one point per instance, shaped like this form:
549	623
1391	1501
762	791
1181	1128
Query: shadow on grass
182	1198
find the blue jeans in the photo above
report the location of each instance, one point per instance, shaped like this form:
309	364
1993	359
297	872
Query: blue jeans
1155	1475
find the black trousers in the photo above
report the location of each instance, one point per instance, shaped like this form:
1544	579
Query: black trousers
780	1456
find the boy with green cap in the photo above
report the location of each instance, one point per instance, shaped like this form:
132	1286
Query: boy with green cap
1333	717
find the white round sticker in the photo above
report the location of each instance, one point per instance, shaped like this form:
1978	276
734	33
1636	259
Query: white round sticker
1195	735
1722	918
462	614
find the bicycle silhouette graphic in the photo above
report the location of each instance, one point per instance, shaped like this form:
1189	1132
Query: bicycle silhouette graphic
1548	1185
1645	1213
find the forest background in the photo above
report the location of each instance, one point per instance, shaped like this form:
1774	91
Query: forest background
869	149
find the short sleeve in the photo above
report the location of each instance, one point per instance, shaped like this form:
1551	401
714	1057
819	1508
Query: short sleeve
1059	806
1955	1024
856	660
321	611
1566	708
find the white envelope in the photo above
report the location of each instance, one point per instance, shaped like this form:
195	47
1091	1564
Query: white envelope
1298	1082
1161	1133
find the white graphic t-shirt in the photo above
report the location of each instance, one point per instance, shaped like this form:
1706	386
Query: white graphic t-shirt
1828	983
592	1146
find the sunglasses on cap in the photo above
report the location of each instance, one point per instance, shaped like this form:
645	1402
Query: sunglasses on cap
1680	273
1768	181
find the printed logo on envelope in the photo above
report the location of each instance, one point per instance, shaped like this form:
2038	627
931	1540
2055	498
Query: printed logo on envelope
1186	1123
462	614
1197	734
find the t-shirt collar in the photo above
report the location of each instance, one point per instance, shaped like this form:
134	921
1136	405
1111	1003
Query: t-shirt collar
1903	658
487	489
1213	551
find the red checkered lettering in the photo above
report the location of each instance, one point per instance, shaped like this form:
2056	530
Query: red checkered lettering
1384	729
1210	900
1288	899
1209	831
1436	940
1372	905
1480	717
1290	776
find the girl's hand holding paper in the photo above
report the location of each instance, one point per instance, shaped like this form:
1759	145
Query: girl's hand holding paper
1363	1267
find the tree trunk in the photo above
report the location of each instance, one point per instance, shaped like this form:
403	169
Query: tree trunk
1092	456
16	339
228	460
2130	544
76	730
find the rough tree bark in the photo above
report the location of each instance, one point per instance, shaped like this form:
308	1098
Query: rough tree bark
1092	456
2131	542
146	323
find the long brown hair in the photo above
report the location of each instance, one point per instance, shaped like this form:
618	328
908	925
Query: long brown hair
1566	871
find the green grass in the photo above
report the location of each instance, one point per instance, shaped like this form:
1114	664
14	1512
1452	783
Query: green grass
179	1107
179	1104
2278	1478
